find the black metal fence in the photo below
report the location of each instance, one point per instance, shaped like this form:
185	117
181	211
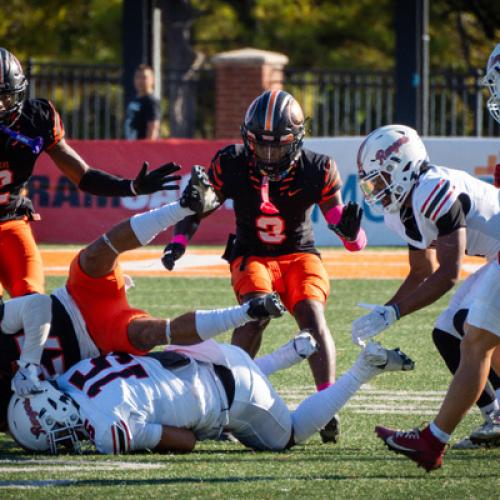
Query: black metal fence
89	97
90	100
354	102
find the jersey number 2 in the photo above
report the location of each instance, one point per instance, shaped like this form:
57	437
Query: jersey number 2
271	229
5	179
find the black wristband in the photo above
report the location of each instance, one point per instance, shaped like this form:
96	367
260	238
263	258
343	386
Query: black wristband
101	183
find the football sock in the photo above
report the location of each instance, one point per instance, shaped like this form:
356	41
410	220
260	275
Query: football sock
438	433
486	410
168	333
149	224
280	359
318	409
212	323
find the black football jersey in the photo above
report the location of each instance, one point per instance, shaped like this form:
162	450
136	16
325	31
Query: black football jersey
314	179
38	119
60	353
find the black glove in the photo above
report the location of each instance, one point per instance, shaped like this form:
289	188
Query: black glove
26	208
172	252
349	223
156	180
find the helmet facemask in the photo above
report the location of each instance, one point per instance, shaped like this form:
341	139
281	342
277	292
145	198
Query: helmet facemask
47	421
492	82
381	192
274	156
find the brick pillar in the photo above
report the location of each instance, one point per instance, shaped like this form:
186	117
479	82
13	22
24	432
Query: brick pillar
240	76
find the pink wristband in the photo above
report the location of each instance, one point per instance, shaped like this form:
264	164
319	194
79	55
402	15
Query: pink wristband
334	215
358	244
323	386
181	239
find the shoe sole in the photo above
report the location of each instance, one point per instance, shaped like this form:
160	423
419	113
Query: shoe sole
486	442
426	466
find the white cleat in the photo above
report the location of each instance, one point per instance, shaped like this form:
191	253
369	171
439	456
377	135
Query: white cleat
386	360
488	433
199	194
466	444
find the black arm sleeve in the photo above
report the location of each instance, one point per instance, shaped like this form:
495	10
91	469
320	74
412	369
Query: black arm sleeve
451	220
101	183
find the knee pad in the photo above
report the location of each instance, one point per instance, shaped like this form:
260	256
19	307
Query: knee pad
448	347
459	321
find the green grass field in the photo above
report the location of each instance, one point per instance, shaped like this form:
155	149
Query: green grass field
358	467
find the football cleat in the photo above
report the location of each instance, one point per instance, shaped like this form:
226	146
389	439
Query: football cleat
421	446
331	432
386	360
489	433
265	307
466	444
199	195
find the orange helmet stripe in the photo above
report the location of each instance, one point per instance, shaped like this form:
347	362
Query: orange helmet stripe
270	109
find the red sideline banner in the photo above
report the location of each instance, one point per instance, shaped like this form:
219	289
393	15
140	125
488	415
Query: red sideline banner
71	216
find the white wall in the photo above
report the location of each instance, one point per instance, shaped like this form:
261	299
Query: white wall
463	153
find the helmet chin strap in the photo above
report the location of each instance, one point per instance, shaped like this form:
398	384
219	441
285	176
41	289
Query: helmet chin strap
267	206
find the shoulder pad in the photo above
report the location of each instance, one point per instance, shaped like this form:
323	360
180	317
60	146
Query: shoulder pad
433	196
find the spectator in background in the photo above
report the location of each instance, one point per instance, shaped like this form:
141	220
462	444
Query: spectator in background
143	112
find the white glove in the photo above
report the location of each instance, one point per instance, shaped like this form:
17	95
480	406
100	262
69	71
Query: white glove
371	324
304	344
26	381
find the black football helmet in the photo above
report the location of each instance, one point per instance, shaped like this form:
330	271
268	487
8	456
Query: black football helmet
13	85
273	132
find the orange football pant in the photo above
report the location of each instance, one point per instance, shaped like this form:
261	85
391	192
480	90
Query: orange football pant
296	277
21	268
104	307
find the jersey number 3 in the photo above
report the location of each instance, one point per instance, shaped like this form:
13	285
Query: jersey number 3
271	229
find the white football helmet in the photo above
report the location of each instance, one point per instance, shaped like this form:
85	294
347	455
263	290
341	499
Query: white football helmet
44	421
389	162
492	81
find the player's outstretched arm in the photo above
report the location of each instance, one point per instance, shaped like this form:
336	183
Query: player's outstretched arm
33	315
101	183
345	222
422	265
450	251
184	231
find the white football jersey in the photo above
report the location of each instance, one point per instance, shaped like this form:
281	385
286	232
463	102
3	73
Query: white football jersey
125	400
433	196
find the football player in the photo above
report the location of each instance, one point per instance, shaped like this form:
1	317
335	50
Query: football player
274	183
492	82
91	315
167	401
444	213
28	128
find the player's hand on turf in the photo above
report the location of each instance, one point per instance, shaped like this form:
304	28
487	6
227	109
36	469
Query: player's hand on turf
371	324
158	179
172	252
349	223
26	381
